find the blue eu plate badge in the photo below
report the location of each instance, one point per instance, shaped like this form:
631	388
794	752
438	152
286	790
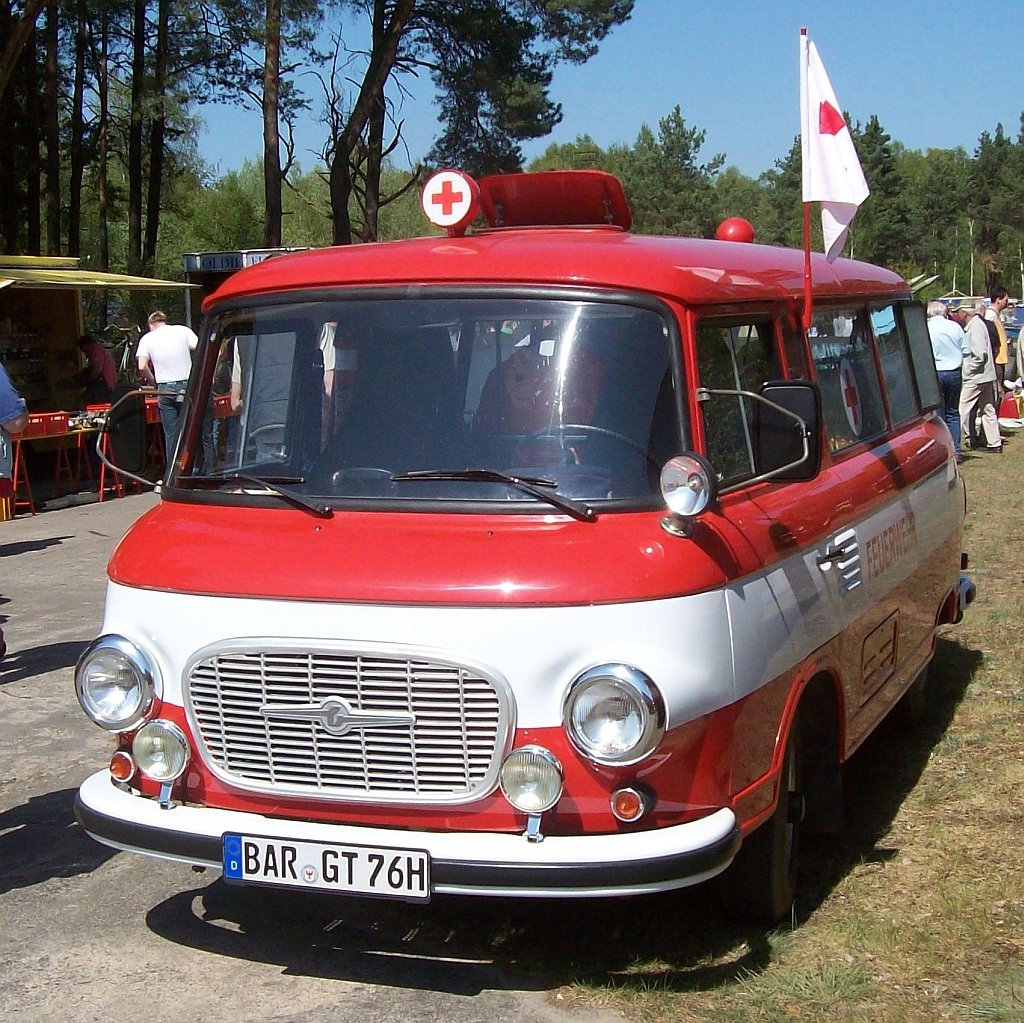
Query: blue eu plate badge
233	857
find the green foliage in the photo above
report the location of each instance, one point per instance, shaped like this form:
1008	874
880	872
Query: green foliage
880	232
781	212
492	63
670	191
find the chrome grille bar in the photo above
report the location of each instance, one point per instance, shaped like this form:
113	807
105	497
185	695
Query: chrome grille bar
330	724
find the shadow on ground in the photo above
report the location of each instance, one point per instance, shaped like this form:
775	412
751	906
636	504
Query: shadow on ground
40	840
675	942
39	660
9	550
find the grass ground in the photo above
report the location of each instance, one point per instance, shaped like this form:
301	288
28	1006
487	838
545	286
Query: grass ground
917	912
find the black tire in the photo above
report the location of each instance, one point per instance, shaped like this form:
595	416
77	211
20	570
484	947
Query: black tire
760	885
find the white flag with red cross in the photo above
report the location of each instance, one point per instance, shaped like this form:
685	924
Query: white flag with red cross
832	173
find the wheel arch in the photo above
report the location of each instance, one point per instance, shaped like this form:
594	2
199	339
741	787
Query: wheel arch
817	714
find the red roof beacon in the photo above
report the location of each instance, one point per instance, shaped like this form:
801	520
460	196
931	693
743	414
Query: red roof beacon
735	229
451	200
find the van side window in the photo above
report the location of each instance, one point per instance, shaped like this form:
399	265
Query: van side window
899	381
844	365
916	329
737	356
793	346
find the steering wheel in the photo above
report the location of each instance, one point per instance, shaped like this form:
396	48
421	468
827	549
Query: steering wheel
558	433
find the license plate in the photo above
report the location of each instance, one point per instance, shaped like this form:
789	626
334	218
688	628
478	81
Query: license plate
324	866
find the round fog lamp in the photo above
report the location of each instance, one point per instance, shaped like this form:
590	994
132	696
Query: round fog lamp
161	750
531	779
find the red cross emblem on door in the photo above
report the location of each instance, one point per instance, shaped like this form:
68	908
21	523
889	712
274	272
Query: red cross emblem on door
851	396
451	200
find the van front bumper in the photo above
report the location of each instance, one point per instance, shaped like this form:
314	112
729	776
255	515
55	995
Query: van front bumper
466	863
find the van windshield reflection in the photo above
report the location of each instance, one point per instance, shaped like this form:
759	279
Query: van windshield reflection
437	400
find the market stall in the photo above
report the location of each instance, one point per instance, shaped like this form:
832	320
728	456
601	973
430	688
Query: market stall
41	319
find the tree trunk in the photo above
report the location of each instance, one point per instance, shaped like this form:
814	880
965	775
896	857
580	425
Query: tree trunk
17	39
374	158
135	134
51	112
374	146
76	154
271	131
382	60
156	138
103	141
29	171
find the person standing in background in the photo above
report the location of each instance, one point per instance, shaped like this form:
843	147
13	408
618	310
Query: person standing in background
979	386
12	420
99	375
949	347
165	359
998	300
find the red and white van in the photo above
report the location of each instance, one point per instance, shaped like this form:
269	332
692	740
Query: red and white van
547	559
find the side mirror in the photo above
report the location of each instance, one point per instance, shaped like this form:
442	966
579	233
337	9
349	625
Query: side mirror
125	431
786	430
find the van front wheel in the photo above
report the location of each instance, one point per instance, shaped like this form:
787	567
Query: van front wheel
760	885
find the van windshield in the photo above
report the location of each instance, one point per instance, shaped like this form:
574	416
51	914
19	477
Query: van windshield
439	399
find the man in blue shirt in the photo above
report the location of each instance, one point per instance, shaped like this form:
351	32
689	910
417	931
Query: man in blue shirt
12	420
949	346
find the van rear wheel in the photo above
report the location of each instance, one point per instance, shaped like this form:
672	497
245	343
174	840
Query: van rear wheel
760	885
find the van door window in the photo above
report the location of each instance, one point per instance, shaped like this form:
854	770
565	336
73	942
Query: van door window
738	356
892	346
915	328
847	375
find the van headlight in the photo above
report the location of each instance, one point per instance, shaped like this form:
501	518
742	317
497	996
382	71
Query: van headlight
115	683
614	714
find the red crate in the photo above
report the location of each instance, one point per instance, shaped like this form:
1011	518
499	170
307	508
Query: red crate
54	422
35	427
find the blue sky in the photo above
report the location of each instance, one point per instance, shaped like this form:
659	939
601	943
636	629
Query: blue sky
937	74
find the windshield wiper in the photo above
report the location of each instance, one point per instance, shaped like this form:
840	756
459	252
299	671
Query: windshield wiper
536	486
271	484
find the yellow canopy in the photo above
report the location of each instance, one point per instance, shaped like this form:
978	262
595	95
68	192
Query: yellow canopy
60	272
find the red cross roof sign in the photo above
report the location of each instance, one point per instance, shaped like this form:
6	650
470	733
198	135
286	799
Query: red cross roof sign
451	200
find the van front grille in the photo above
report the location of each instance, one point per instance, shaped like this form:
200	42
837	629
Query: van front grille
348	726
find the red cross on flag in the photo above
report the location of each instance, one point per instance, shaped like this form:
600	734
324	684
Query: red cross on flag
831	171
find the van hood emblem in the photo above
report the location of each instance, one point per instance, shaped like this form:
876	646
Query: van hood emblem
334	715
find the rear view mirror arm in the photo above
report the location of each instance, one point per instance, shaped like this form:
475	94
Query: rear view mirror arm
704	394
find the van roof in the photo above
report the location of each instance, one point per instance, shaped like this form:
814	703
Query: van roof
694	271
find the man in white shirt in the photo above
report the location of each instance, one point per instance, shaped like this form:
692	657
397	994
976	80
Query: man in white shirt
950	346
165	359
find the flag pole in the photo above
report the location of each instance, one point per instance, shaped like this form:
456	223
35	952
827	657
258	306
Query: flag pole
808	283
